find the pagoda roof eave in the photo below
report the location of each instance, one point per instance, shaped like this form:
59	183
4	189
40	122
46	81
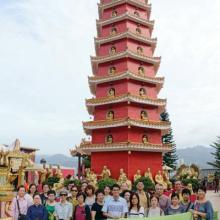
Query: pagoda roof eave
126	54
128	34
91	125
95	80
92	103
139	4
126	15
89	148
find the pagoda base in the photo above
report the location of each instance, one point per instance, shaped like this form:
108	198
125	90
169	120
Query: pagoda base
130	161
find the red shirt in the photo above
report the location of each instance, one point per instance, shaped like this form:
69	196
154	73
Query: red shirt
80	213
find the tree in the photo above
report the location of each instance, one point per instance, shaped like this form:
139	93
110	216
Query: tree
216	154
169	158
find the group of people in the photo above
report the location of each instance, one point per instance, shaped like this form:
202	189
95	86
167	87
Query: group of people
87	203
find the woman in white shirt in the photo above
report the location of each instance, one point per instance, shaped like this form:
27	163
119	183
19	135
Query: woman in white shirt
154	210
135	209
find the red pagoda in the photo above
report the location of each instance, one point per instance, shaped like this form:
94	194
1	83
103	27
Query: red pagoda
126	131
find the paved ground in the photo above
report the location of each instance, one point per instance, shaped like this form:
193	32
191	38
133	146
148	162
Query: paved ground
215	199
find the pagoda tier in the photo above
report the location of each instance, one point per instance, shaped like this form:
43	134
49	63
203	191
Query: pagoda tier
109	4
126	128
129	35
128	98
89	126
128	16
88	147
96	80
155	61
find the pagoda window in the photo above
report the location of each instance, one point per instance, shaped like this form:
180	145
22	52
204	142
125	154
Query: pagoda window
138	31
111	92
114	13
141	70
142	92
145	139
110	115
113	31
113	50
112	70
139	50
109	139
143	115
136	13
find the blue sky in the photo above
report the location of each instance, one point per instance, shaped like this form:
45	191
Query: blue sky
45	49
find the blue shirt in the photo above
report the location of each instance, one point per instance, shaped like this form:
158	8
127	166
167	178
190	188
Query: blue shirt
115	207
37	213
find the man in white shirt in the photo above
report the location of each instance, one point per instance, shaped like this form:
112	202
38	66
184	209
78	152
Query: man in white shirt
116	207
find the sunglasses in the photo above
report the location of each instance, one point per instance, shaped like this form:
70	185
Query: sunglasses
63	194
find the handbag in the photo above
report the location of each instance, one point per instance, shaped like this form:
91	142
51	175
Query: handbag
20	216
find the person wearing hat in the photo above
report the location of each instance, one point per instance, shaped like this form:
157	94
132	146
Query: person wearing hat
63	209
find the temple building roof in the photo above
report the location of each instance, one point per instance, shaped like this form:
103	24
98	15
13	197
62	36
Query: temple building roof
95	80
128	146
128	54
91	125
128	34
140	4
91	103
126	15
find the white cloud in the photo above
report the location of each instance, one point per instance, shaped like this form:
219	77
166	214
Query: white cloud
44	58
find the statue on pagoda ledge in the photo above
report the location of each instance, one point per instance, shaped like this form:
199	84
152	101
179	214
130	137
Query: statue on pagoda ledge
106	173
113	50
142	92
113	31
159	179
137	175
110	115
109	139
112	70
111	92
141	70
149	175
145	139
144	115
140	50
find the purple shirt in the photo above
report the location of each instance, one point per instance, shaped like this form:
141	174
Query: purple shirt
24	204
164	202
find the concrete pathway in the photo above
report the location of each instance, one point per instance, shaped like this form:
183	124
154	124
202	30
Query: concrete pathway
215	199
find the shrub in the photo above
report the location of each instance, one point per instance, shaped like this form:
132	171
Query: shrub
106	182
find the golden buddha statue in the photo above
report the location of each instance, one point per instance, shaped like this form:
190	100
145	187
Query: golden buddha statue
142	92
113	31
141	70
112	70
110	115
144	115
50	171
149	175
145	139
138	31
109	139
159	179
87	172
114	13
137	175
106	173
93	178
122	176
111	92
43	175
140	50
127	181
113	50
166	178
